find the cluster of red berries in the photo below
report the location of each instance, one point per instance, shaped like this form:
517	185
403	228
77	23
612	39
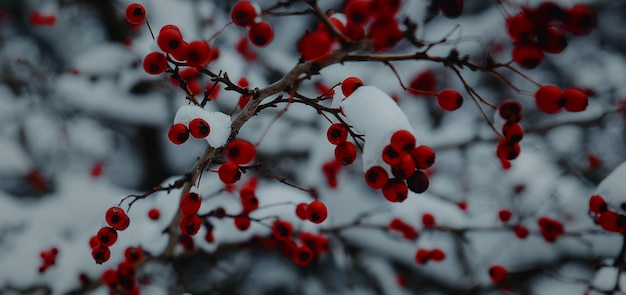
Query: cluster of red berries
545	29
608	219
249	203
123	279
550	229
408	231
422	256
179	132
406	162
307	248
508	148
378	18
345	151
498	273
190	223
117	219
552	99
37	19
238	152
314	211
244	14
48	259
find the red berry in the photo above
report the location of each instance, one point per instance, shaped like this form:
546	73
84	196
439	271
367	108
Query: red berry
117	218
376	177
198	53
395	191
521	232
170	40
302	255
101	254
597	204
424	156
316	212
358	11
527	55
337	133
331	169
155	63
243	13
240	151
135	13
508	150
345	153
301	211
512	132
550	229
424	82
107	236
190	224
575	100
349	85
190	203
418	182
178	134
437	254
520	27
242	222
580	20
497	273
402	140
282	230
505	215
110	279
261	34
384	34
428	220
390	156
451	8
314	46
229	173
422	256
549	99
199	128
93	241
511	111
405	168
552	40
449	100
385	9
133	254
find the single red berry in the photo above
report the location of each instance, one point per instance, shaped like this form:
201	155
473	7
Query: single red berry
155	63
229	173
110	279
178	133
437	255
521	232
508	150
261	34
249	203
505	215
198	53
190	203
594	161
133	254
337	133
402	140
282	230
242	222
552	40
497	273
107	236
315	46
520	27
390	156
424	156
243	13
170	40
424	82
512	132
575	100
127	271
101	254
581	19
549	99
385	9
511	111
331	169
154	214
451	8
354	32
405	168
350	84
240	151
385	33
462	205
428	220
302	255
358	11
301	211
135	13
395	191
418	182
93	241
449	100
376	177
597	204
199	128
117	218
527	55
422	256
345	153
316	212
190	224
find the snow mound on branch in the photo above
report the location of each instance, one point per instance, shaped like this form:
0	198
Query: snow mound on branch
612	187
219	123
377	116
